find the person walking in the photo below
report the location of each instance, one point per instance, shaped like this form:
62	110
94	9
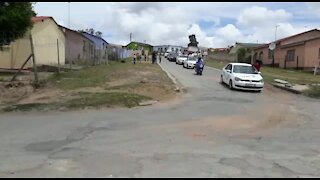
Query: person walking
154	57
139	58
159	58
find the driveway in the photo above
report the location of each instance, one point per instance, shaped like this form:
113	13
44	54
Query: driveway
209	131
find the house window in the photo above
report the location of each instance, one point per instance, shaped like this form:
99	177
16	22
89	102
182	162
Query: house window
319	54
255	56
270	53
290	55
84	46
261	56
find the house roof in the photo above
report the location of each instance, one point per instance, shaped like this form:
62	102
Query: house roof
40	18
76	32
279	40
37	19
94	36
249	44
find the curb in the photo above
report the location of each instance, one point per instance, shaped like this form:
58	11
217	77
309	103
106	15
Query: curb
179	87
286	88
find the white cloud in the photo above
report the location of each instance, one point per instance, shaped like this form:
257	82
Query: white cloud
257	16
315	7
172	23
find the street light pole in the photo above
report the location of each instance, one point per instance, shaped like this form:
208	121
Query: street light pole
69	15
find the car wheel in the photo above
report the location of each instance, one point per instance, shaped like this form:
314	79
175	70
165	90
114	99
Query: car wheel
230	85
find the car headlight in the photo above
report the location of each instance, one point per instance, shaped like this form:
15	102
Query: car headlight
261	80
237	79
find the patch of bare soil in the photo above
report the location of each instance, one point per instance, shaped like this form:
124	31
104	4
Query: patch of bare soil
13	94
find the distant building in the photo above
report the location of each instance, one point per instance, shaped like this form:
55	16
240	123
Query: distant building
100	54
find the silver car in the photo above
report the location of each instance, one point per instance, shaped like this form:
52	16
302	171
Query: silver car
190	62
180	59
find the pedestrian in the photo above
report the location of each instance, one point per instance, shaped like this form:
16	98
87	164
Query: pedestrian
257	65
134	58
159	58
145	57
154	57
139	57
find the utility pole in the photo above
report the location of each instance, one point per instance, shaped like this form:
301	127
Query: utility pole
130	37
69	15
274	50
68	49
275	34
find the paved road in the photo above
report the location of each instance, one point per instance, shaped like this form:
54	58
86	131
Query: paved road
209	132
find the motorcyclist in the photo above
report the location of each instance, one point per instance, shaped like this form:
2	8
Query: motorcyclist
199	64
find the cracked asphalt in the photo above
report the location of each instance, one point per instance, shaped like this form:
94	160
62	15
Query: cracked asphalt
209	131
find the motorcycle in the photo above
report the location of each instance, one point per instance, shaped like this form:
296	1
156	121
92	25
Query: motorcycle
199	68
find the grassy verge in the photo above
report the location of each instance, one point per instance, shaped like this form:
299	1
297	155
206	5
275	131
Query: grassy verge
215	64
292	76
117	84
112	99
91	100
313	91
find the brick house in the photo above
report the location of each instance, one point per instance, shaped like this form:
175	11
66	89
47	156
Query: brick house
300	51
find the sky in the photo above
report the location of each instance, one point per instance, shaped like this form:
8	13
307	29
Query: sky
215	24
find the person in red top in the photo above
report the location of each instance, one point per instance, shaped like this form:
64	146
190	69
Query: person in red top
257	65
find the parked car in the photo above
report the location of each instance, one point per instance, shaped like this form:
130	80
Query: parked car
242	76
172	56
190	62
166	54
180	59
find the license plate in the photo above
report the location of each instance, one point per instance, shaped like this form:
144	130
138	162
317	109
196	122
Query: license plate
250	85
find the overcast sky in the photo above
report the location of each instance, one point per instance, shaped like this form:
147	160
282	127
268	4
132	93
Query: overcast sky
214	24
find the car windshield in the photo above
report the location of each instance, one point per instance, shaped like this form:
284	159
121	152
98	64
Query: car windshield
192	58
244	69
184	56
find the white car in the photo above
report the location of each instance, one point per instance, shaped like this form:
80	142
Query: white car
180	59
242	76
190	62
166	54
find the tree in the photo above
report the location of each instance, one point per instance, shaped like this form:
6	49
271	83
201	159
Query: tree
15	20
98	33
90	31
244	55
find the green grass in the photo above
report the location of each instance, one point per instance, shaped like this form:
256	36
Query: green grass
292	76
26	107
95	75
313	91
215	64
108	99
